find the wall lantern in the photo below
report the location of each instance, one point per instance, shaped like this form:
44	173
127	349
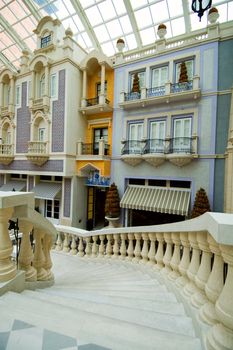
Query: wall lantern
200	6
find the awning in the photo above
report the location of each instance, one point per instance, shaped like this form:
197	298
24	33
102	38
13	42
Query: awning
16	185
158	199
47	190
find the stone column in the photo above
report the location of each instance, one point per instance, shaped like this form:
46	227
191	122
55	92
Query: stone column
84	92
7	267
1	95
33	93
102	88
12	91
26	253
46	90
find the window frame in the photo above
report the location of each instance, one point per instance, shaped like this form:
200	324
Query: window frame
18	95
54	95
160	68
176	63
45	41
52	207
131	74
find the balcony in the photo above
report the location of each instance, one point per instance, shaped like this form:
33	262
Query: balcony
42	104
92	151
7	111
37	152
168	93
179	151
98	104
6	154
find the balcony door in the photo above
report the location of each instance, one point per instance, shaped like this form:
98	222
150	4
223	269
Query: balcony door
182	135
157	136
159	76
98	134
135	136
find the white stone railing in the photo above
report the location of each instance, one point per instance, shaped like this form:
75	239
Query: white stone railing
37	147
193	257
6	149
36	263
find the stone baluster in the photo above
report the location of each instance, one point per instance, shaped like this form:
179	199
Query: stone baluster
59	242
185	260
26	253
66	243
175	260
168	253
101	247
73	245
39	258
109	246
94	251
116	246
214	284
7	266
199	298
144	253
191	288
159	253
151	254
130	249
88	247
47	245
123	246
80	247
221	334
137	250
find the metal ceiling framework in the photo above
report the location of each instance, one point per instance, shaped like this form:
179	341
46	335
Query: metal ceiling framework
79	10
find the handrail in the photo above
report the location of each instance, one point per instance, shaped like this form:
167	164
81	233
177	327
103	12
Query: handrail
132	147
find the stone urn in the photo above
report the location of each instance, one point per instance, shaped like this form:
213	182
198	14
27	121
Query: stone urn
162	31
213	15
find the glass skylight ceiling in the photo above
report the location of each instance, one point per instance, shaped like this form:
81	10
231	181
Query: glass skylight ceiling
97	24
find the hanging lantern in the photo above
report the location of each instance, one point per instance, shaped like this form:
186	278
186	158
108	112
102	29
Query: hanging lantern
200	6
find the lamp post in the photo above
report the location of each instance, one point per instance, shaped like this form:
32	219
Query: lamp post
200	6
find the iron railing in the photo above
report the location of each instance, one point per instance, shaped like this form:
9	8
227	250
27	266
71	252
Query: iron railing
92	101
155	146
87	148
155	91
179	87
129	96
132	147
93	148
180	145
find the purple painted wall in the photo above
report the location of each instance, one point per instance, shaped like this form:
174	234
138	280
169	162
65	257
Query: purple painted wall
67	197
23	123
58	116
30	183
50	165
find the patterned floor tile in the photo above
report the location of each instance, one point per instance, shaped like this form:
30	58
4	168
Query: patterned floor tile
57	341
4	336
25	339
92	347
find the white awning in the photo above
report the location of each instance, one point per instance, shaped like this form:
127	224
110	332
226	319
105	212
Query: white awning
47	190
14	185
158	199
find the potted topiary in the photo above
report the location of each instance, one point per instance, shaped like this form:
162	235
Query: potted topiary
213	15
120	44
162	31
112	206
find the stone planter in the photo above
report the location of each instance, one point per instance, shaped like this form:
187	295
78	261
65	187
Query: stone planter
113	222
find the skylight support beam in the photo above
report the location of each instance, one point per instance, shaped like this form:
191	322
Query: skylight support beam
32	8
187	21
87	25
7	63
133	22
12	33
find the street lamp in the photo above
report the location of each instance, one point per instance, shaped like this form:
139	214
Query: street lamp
200	6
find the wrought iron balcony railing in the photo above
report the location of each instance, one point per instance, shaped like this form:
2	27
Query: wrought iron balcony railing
181	145
129	96
95	101
180	87
155	91
132	147
155	146
94	148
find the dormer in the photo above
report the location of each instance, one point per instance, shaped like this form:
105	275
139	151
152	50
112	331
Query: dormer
50	33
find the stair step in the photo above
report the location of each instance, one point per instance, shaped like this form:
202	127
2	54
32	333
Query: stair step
96	328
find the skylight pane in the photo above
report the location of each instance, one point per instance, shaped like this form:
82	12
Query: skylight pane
222	10
175	8
8	15
21	30
143	18
108	48
126	25
159	12
131	41
87	39
86	3
9	55
138	3
93	15
230	11
30	42
178	26
107	10
16	51
69	7
27	23
101	33
78	23
120	7
17	10
69	23
5	39
114	28
80	41
195	23
61	9
148	36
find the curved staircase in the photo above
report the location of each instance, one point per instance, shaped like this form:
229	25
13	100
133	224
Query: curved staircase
96	304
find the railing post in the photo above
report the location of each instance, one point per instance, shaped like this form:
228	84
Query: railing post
130	249
214	284
196	82
159	253
199	298
168	253
175	260
122	97
39	259
137	250
151	254
167	88
185	260
26	253
101	147
221	334
144	252
143	93
47	245
79	148
7	267
123	246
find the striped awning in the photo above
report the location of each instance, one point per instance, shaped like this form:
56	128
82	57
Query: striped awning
47	190
158	199
14	186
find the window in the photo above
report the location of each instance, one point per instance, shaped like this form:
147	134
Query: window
52	209
135	136
41	134
42	86
98	88
18	91
137	182
141	80
157	136
182	135
159	76
45	41
29	90
98	134
188	68
53	86
45	177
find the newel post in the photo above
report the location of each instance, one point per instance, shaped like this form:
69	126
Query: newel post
47	245
39	258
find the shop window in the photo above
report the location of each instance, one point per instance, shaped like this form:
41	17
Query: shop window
46	40
159	76
181	184
45	177
189	65
137	182
160	183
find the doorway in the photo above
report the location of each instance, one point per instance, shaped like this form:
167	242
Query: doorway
96	207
